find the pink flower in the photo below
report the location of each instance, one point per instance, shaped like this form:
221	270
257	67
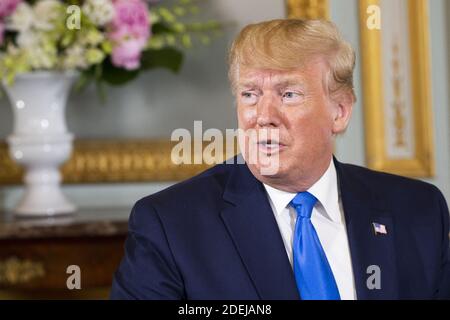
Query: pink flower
129	32
131	16
127	54
7	7
2	32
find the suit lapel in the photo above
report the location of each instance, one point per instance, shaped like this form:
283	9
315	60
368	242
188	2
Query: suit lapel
373	256
249	220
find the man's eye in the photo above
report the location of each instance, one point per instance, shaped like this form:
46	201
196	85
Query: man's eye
249	97
291	96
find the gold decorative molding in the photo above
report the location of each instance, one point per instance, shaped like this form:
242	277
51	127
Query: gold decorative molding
99	161
422	163
398	104
10	173
17	271
308	9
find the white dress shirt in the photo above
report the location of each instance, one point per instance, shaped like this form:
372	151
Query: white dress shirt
328	220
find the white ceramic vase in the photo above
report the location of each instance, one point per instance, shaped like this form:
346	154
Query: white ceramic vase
40	141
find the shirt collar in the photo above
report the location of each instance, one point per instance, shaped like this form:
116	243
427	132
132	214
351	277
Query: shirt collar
325	190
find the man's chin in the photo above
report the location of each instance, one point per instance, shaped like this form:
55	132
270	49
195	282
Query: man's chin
265	164
266	171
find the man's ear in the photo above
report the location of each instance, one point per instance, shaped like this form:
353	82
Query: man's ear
343	104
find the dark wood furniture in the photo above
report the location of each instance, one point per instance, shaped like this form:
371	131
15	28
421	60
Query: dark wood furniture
35	254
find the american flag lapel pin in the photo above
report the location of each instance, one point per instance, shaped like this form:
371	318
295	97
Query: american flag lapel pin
379	228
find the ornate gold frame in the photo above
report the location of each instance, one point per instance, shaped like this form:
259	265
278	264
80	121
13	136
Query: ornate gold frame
97	161
308	9
422	164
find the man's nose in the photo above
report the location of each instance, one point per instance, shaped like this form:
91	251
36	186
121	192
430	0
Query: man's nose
268	112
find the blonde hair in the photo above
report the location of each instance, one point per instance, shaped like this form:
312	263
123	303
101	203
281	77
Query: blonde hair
286	44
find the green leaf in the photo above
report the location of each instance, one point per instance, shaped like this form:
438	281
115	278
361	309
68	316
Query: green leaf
156	42
167	15
101	91
186	40
159	28
179	27
179	11
83	81
205	40
170	39
117	76
168	58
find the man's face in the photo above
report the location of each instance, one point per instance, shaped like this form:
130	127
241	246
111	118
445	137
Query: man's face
295	106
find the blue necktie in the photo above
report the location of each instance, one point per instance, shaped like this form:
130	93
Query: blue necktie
312	272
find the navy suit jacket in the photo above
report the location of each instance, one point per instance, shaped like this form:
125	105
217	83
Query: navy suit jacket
215	237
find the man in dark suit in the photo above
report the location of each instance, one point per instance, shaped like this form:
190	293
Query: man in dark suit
313	228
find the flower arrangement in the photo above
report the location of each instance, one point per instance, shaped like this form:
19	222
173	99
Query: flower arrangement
108	41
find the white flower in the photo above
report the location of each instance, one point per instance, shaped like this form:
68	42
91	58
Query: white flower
22	18
100	12
92	37
39	58
12	50
74	58
45	12
28	39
